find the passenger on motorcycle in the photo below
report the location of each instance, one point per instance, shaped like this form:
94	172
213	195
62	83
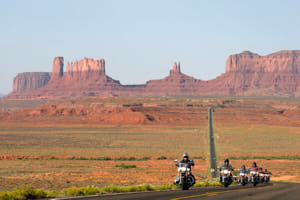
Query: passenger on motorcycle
186	159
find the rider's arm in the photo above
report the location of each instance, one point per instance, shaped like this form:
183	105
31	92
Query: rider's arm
192	163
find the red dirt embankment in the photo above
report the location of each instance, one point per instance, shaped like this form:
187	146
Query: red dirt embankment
139	111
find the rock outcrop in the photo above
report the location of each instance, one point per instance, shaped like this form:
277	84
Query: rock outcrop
282	61
247	74
29	81
176	83
277	74
58	67
83	78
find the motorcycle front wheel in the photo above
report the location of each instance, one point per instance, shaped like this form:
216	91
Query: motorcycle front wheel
184	187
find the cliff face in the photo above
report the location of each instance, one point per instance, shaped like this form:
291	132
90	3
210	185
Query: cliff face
247	74
58	67
282	61
250	74
85	77
30	81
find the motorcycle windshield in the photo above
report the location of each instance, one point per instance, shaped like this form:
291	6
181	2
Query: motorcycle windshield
183	165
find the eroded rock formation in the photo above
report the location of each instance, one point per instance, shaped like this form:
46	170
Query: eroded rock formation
58	67
247	74
30	81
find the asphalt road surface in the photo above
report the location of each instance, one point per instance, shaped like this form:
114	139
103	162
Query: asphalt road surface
212	148
271	191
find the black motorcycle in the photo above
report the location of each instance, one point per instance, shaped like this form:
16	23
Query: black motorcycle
267	177
243	179
185	179
226	177
254	177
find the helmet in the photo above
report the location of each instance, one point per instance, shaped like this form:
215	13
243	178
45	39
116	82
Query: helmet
185	155
243	167
226	160
254	164
260	169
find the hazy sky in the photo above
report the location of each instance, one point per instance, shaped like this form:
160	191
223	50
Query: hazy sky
140	40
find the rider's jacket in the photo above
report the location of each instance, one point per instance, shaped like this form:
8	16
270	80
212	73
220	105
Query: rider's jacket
229	167
253	169
189	162
243	171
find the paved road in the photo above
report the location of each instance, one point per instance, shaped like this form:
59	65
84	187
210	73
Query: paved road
272	191
212	148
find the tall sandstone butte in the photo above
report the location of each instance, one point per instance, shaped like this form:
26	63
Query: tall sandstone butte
29	81
277	74
247	74
58	67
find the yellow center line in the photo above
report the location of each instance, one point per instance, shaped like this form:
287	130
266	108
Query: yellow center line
221	192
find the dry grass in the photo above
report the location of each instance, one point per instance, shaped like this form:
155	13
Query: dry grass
117	143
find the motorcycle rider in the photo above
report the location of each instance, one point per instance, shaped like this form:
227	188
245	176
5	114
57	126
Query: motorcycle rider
261	174
254	167
186	159
267	172
227	166
243	169
267	175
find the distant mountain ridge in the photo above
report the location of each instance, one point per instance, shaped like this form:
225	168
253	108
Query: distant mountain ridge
247	74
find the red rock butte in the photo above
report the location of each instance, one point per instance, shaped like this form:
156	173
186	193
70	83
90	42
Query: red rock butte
247	74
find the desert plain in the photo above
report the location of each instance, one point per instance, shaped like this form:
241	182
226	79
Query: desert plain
124	141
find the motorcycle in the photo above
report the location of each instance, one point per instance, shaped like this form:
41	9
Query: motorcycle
254	178
261	176
243	179
185	179
267	177
226	177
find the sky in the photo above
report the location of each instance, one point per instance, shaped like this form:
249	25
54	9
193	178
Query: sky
140	40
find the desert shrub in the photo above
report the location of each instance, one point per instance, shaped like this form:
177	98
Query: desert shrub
165	187
82	191
53	158
100	158
110	189
23	192
143	159
53	194
206	183
126	166
162	158
199	157
71	158
126	159
292	157
28	192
